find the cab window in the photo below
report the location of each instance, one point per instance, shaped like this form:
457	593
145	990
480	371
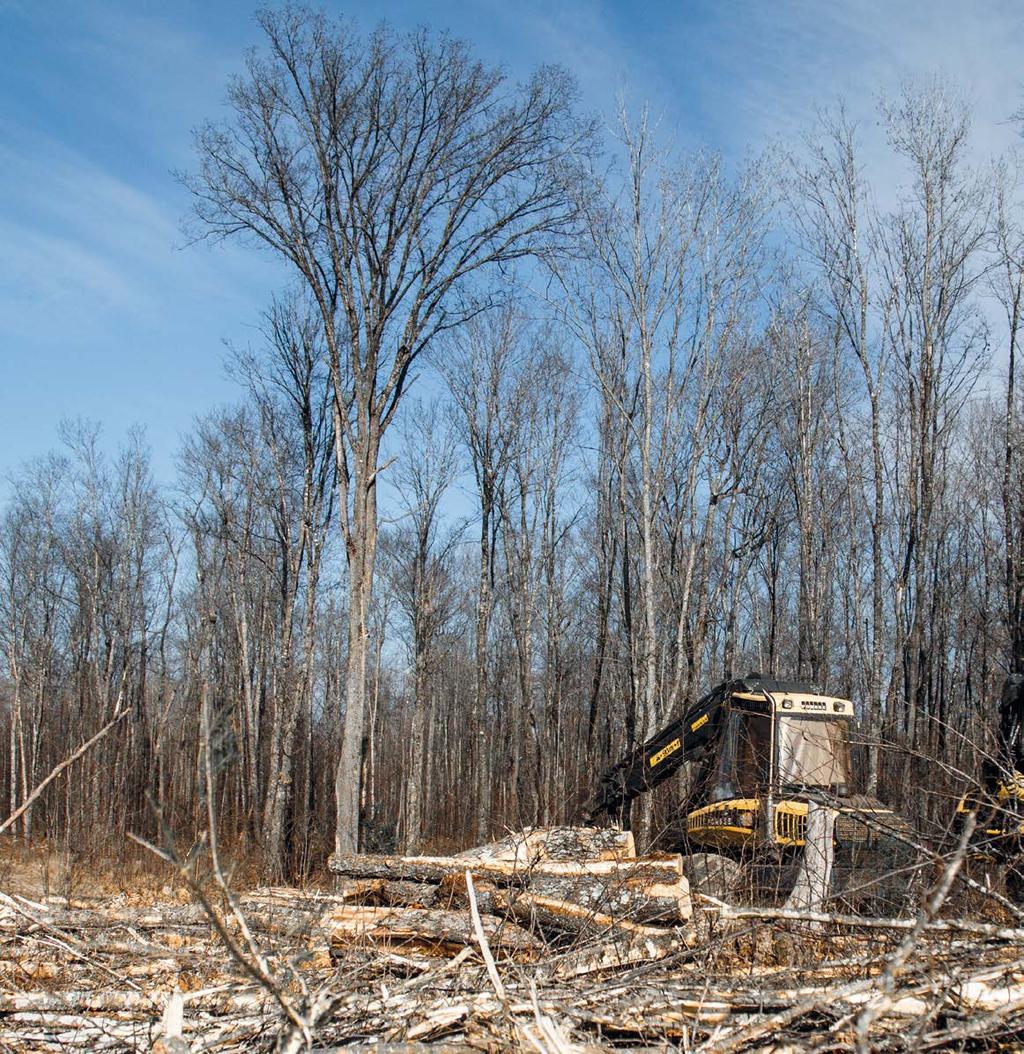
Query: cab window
744	767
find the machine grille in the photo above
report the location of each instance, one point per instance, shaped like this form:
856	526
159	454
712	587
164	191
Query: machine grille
790	826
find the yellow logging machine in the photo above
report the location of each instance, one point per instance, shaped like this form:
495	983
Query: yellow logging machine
998	799
760	750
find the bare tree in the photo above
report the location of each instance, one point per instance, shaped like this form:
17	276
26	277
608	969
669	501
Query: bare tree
30	605
421	550
287	385
1006	280
670	266
388	171
487	369
533	527
804	441
715	457
837	227
932	247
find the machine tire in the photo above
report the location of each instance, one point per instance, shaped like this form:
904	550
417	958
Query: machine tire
711	873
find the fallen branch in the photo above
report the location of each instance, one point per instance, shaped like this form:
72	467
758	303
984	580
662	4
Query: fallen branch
980	929
482	941
440	932
58	769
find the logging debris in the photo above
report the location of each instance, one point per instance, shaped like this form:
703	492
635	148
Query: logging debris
580	946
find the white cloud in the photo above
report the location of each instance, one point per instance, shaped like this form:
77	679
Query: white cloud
779	63
70	228
736	75
82	240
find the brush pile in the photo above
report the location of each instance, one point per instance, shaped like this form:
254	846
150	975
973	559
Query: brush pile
559	940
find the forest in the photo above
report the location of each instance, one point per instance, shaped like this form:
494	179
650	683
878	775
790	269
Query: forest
553	427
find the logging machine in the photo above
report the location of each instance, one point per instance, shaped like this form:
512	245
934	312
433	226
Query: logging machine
998	800
762	749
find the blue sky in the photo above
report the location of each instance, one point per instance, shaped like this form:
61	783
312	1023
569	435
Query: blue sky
106	313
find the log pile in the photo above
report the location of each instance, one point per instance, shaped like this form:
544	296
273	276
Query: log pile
563	881
553	943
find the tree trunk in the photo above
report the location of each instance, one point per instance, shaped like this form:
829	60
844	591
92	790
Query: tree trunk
815	878
417	751
481	819
348	776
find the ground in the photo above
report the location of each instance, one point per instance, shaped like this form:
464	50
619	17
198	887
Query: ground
115	957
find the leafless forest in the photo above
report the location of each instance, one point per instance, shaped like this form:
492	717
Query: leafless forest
554	426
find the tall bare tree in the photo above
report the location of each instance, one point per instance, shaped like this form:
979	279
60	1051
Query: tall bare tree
837	227
932	258
421	578
387	171
670	265
487	367
1007	283
286	383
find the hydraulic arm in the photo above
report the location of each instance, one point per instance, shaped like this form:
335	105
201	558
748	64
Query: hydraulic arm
683	739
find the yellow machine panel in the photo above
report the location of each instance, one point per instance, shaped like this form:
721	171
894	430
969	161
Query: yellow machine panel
724	823
665	752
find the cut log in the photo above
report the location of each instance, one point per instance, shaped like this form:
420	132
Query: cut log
126	1002
346	892
399	1048
291	912
653	869
673	1021
565	916
633	897
409	894
430	931
287	922
401	868
453	894
175	917
616	951
558	843
588	843
372	891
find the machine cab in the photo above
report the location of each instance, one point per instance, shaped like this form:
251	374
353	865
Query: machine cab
779	742
783	742
761	748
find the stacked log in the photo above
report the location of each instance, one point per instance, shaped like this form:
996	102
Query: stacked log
569	881
558	843
426	930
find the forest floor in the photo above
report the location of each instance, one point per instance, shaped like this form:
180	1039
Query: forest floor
123	960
